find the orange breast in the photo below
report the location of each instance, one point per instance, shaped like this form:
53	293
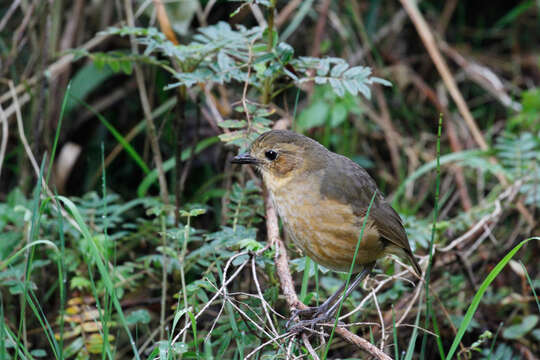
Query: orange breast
327	230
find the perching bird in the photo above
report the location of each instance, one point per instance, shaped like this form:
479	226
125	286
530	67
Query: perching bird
322	199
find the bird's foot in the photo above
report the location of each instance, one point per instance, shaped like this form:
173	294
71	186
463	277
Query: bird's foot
316	315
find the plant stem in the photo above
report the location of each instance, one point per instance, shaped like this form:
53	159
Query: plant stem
182	273
267	90
163	278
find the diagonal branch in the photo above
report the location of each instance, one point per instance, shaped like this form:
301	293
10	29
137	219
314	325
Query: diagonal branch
428	39
152	133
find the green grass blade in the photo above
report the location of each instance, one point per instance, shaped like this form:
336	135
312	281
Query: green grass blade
513	14
432	240
34	304
480	293
305	279
12	258
125	144
58	128
3	332
531	285
62	278
168	165
414	336
34	230
438	339
394	333
103	270
424	169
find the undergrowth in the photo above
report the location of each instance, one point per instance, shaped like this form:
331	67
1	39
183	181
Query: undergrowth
111	270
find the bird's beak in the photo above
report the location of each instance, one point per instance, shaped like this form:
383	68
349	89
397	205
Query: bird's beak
244	158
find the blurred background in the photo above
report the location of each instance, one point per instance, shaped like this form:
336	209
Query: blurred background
119	209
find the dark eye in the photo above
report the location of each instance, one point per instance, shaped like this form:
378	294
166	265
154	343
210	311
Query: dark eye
271	155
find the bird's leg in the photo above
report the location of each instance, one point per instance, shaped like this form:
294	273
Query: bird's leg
359	278
326	311
315	311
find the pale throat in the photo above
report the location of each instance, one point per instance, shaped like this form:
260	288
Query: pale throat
275	184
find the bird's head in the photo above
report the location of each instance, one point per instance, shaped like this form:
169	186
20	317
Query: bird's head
281	153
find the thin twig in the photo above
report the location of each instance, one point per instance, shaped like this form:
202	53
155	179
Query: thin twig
244	92
220	291
52	71
273	340
380	285
319	28
151	128
5	132
429	42
309	347
9	12
32	159
164	23
263	301
455	144
286	12
383	331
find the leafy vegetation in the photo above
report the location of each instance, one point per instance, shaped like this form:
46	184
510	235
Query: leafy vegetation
125	231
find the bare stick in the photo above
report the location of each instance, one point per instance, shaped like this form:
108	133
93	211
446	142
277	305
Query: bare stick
164	23
263	301
282	336
152	133
309	347
221	290
5	131
429	42
52	71
33	159
383	333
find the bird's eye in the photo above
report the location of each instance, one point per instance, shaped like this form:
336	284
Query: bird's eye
271	155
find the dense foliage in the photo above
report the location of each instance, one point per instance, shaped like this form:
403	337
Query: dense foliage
126	232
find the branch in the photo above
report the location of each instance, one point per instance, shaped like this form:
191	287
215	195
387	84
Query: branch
428	39
150	126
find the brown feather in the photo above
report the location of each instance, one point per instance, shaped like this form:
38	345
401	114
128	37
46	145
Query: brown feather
323	197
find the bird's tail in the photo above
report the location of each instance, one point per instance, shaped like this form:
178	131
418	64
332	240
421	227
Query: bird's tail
414	264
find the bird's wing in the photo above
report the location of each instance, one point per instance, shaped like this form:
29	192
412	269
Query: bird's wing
349	183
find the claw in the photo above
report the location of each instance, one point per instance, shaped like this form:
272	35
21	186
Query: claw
318	315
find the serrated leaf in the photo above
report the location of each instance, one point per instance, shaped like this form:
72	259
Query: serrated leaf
337	86
234	135
339	69
232	124
351	86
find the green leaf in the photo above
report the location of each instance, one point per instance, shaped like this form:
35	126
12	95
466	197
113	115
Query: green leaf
193	212
313	116
339	115
180	348
38	353
86	80
519	330
480	293
232	124
141	316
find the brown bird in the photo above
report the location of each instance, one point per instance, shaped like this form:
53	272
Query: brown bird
322	199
